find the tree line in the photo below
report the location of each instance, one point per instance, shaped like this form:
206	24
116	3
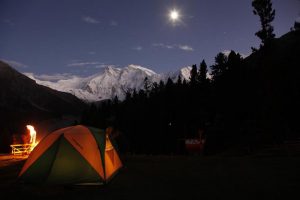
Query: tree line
235	107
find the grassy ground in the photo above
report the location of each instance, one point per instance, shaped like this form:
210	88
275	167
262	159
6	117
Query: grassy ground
177	177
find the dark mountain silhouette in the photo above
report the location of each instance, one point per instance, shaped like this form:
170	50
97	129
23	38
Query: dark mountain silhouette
23	101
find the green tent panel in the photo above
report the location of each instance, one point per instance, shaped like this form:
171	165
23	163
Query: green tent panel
67	156
100	139
39	170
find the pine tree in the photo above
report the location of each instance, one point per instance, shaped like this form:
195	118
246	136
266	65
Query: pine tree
169	83
263	8
203	72
127	95
161	86
147	85
220	66
179	80
134	94
233	60
142	95
116	101
193	75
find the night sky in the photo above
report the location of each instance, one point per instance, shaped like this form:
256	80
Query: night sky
82	36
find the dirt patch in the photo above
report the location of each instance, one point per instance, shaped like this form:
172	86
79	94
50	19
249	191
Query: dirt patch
176	177
8	159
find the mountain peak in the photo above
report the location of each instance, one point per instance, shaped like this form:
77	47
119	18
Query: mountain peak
110	82
112	69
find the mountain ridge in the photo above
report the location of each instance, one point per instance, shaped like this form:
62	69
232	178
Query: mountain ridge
16	88
110	82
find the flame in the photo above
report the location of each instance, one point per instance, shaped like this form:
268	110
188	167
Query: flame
25	149
32	133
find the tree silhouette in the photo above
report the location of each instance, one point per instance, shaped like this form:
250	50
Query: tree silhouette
115	100
263	8
147	85
161	85
179	80
297	25
193	75
220	66
169	83
233	60
203	72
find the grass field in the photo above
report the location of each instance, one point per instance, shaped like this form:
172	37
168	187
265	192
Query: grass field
176	177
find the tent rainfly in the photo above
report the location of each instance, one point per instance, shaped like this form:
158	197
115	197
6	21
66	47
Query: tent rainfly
72	155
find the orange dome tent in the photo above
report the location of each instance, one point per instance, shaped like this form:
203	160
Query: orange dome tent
72	155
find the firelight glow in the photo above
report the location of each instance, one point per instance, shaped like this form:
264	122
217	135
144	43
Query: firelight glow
32	133
26	148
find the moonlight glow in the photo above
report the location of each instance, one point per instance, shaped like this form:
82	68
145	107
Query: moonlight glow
174	15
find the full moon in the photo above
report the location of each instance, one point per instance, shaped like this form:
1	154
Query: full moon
174	15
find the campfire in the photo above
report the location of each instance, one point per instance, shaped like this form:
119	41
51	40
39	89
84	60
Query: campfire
26	147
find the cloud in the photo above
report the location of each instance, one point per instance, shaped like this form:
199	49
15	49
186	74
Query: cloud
14	63
89	65
100	66
138	48
185	48
90	20
83	64
114	23
104	66
52	78
92	52
162	45
174	46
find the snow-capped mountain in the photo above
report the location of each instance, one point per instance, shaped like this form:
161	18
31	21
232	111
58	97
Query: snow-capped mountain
110	82
184	73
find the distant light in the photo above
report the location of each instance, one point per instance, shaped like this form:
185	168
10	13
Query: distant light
174	15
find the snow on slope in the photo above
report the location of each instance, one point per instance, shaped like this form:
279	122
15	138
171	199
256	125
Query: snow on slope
110	82
184	73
